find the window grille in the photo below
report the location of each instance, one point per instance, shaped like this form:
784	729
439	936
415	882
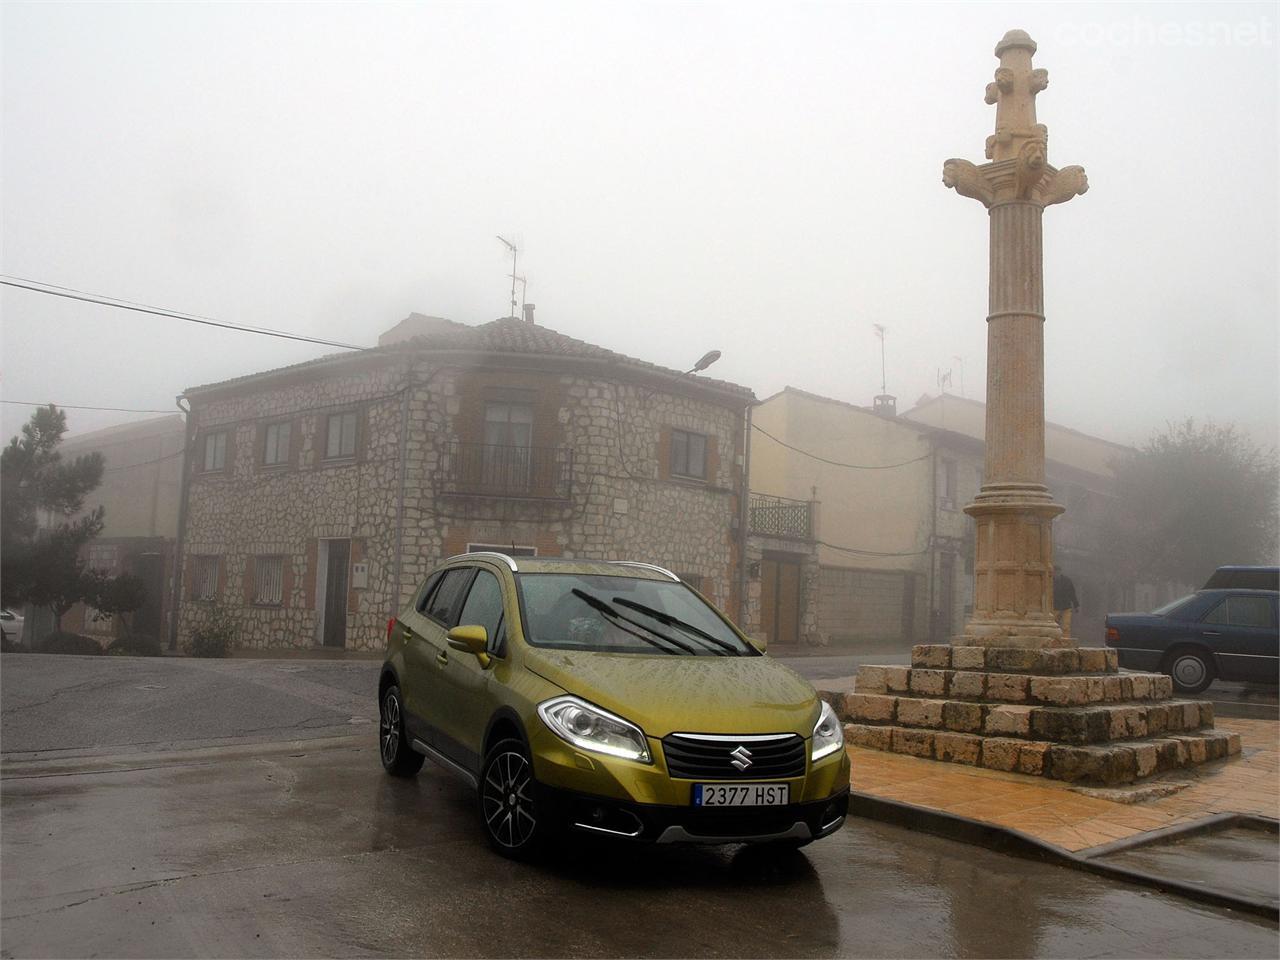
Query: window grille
275	451
102	558
688	454
268	580
215	451
204	578
342	436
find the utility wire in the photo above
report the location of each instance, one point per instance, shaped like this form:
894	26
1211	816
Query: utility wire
872	553
72	406
837	463
37	286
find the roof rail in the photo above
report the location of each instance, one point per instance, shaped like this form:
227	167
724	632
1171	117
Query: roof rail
647	566
491	554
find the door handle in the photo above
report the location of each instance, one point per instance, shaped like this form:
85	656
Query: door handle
1211	633
442	658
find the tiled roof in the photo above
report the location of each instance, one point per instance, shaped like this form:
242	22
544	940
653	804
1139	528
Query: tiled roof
508	335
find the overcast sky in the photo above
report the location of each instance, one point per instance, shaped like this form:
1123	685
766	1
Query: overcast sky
764	179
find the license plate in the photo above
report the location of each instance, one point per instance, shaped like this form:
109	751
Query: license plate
741	794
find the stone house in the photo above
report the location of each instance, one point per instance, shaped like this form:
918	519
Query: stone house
317	496
139	492
890	553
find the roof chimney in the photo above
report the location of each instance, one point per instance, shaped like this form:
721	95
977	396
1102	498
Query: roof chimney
528	312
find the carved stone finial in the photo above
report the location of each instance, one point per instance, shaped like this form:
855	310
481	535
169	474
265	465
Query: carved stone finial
1062	186
967	180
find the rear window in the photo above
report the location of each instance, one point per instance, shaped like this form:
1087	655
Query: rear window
1248	578
568	611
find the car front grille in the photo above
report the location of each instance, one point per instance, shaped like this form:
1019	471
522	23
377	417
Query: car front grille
693	756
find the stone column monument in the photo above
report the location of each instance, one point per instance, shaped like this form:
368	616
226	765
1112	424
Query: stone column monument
1013	569
1012	693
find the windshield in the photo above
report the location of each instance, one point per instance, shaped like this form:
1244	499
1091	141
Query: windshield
569	611
1172	605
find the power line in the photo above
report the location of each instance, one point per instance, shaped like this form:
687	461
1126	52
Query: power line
71	293
837	463
72	406
872	553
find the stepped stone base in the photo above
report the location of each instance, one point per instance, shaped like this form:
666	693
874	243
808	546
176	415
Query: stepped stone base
1062	713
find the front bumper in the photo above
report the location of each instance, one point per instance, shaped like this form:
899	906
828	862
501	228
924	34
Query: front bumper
668	823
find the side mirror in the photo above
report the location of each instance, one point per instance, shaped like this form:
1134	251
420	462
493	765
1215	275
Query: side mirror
472	639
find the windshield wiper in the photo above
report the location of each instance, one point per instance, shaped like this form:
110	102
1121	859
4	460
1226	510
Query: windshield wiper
670	621
597	604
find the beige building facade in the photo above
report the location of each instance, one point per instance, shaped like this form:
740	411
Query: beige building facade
140	492
890	536
318	496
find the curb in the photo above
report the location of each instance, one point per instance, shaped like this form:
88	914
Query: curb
1007	840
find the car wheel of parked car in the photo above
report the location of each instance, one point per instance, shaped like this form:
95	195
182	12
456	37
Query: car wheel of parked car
508	805
1191	669
398	758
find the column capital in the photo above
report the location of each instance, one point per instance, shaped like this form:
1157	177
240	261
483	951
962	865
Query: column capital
1018	151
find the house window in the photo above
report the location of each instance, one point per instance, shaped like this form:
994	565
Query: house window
508	438
215	451
275	449
947	493
268	581
342	436
688	454
204	578
102	558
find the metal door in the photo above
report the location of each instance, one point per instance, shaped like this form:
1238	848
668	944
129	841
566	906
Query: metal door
146	621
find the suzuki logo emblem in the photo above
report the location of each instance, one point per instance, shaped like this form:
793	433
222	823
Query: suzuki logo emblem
741	757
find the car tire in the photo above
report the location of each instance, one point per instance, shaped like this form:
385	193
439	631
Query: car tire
1192	669
508	800
398	758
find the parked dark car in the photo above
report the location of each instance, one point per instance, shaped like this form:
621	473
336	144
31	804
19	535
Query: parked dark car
1240	577
1209	635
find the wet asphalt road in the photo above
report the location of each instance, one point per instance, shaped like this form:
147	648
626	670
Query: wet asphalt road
143	840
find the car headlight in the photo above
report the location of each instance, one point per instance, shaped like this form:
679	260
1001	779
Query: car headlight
588	727
828	735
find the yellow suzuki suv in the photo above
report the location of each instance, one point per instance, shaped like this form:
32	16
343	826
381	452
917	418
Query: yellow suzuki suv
605	697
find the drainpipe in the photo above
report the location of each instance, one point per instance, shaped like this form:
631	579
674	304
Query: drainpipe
404	470
176	593
744	499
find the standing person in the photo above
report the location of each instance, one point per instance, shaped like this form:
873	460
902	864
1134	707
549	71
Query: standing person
1064	601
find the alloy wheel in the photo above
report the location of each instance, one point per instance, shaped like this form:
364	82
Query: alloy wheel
389	729
507	800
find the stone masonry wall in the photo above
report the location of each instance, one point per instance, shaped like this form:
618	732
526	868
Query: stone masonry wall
623	503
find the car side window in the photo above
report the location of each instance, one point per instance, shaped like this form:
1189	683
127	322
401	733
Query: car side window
444	603
1217	615
425	599
484	606
1250	612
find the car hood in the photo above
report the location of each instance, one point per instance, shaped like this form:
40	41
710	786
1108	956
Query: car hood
667	694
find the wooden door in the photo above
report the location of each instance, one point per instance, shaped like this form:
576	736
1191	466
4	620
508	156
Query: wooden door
335	592
780	600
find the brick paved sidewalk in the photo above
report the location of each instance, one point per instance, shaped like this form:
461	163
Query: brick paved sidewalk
1077	818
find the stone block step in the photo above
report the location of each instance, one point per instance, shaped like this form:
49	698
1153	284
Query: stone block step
1049	662
1052	690
1096	723
1110	764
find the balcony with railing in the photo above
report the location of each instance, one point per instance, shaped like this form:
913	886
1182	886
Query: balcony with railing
514	472
780	517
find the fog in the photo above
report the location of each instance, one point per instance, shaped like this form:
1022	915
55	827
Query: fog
762	179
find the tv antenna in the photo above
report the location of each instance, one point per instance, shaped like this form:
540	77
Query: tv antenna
880	333
515	253
524	291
